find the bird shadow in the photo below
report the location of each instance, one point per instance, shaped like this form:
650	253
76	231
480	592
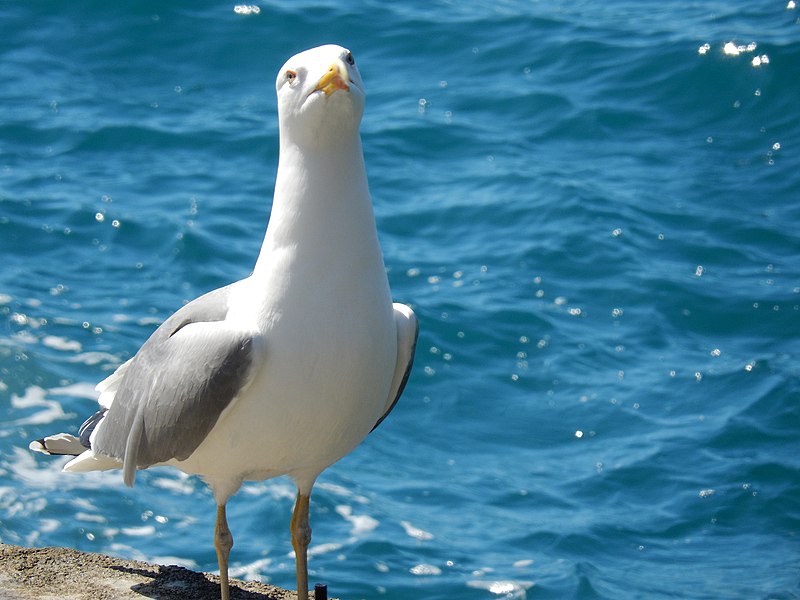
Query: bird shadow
178	583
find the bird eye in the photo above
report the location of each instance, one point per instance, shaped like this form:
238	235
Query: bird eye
350	60
290	75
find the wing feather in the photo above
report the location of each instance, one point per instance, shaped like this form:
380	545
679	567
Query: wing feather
173	391
407	333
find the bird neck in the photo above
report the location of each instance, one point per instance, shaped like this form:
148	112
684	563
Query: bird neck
322	201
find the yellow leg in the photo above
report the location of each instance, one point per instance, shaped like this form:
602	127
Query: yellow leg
223	542
301	537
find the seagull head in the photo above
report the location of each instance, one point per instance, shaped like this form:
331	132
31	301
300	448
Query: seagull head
320	95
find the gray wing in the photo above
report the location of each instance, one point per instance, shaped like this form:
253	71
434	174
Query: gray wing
407	332
175	388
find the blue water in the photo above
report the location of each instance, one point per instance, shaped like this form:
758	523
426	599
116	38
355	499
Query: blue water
597	222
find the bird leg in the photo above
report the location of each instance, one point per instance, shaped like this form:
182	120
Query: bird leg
223	542
301	536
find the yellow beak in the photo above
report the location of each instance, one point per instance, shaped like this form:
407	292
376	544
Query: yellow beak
335	78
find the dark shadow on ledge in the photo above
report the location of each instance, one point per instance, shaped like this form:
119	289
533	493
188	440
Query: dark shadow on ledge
178	583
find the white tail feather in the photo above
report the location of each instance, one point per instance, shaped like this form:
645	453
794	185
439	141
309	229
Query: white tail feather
89	462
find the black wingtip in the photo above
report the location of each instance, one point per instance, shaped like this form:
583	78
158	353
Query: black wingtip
43	445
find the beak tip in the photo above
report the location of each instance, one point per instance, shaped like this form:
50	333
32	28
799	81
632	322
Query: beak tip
334	79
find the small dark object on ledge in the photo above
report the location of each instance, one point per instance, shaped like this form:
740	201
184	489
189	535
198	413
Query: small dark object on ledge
320	591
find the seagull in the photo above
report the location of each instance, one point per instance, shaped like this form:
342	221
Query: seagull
288	370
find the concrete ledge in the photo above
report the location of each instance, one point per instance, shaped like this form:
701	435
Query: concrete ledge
65	574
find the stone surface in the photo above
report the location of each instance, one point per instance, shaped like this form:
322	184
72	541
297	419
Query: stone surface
64	574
